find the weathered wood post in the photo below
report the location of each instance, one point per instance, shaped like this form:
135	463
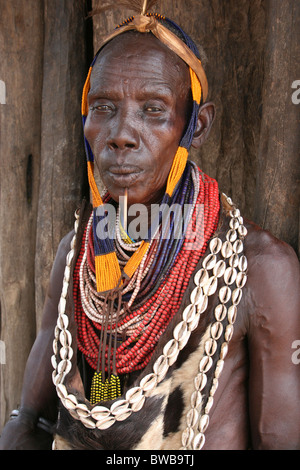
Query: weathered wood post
21	53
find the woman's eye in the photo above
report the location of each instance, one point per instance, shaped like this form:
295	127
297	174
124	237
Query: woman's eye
153	109
101	107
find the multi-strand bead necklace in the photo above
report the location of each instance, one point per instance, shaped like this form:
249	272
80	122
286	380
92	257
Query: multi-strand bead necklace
225	261
138	314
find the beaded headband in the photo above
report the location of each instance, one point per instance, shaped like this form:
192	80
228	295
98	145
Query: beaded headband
108	272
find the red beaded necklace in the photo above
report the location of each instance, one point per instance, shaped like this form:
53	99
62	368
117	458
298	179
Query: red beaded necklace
153	315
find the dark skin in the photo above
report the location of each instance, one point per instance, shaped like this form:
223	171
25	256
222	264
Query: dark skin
138	111
139	105
258	398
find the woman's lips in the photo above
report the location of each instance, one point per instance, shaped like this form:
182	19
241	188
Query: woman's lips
124	175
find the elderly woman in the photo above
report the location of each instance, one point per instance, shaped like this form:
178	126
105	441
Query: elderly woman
152	340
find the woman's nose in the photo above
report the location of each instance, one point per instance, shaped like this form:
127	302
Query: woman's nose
124	132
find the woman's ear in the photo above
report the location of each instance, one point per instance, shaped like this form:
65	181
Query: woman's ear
206	116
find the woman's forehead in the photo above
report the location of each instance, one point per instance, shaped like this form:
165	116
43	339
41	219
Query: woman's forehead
139	56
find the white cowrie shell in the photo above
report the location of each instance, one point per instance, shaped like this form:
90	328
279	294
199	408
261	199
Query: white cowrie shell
64	366
226	249
201	277
236	296
200	381
67	273
56	332
123	416
235	213
183	341
70	257
196	399
55	378
214	386
209	261
241	279
220	312
210	346
62	306
201	307
211	286
189	313
148	382
224	294
187	437
53	361
88	423
243	264
216	330
63	321
70	401
82	410
54	346
73	242
198	441
134	394
99	412
205	364
238	246
65	338
234	223
230	275
228	332
171	349
224	351
138	405
194	323
105	423
209	404
242	230
219	268
231	235
61	391
119	407
192	417
219	368
63	352
180	330
215	245
196	296
232	312
203	423
234	260
161	366
64	289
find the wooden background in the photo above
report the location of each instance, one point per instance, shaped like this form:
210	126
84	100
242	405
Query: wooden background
46	46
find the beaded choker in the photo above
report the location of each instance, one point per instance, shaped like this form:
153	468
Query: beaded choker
118	333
